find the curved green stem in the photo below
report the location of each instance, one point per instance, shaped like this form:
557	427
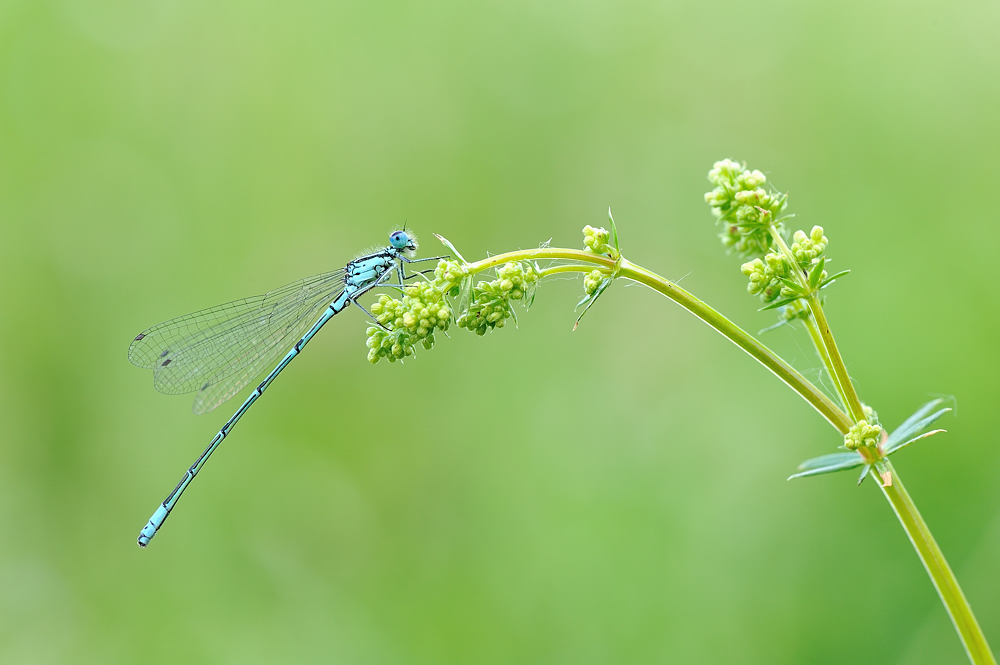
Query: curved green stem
937	567
823	404
572	267
827	408
909	517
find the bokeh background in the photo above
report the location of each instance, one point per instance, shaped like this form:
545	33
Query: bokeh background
611	495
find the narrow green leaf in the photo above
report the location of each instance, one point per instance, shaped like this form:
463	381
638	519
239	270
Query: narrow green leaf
918	415
447	243
614	230
464	297
792	286
829	280
531	294
864	474
889	451
601	288
916	423
828	464
896	439
817	272
778	303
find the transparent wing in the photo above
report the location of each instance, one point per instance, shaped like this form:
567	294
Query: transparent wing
215	392
199	350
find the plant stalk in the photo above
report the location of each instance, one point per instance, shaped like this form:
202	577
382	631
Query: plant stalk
913	524
624	268
930	555
817	341
937	567
837	362
852	402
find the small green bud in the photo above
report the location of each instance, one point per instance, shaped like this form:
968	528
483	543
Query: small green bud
870	414
807	249
746	209
410	320
795	310
491	305
862	434
725	172
750	180
597	240
765	275
592	281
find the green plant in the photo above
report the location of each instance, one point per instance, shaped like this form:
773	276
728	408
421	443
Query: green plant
786	270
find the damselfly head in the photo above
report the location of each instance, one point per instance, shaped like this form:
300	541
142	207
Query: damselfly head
403	240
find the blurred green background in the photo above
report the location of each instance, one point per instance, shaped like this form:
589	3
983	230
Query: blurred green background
613	495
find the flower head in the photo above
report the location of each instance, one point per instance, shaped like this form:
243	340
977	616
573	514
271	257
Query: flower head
593	280
808	248
598	241
863	435
744	208
407	322
491	301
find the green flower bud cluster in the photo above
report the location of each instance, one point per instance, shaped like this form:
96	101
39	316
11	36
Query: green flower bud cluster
863	435
491	301
746	210
597	242
593	280
807	249
410	321
766	275
450	273
795	310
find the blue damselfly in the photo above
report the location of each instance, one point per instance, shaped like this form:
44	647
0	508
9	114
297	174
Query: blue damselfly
217	352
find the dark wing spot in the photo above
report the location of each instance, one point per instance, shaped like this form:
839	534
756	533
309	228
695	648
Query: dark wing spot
138	337
165	352
204	386
165	362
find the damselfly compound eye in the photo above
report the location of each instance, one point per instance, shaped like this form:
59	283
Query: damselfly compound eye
399	239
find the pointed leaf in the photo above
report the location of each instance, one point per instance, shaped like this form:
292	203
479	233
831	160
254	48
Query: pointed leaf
828	464
605	283
917	416
779	303
864	474
829	280
614	230
817	272
792	286
531	293
889	451
447	243
915	424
